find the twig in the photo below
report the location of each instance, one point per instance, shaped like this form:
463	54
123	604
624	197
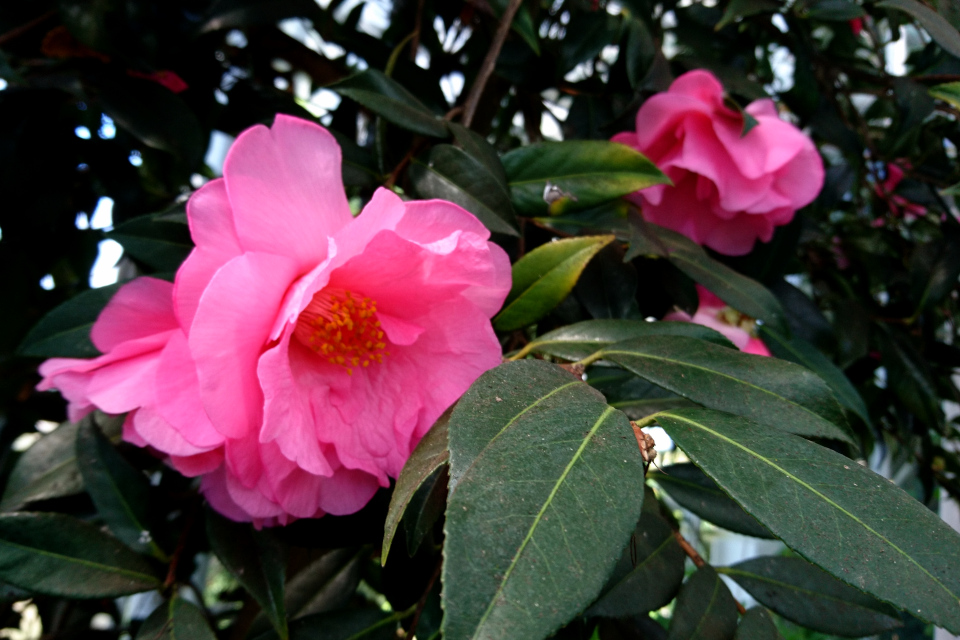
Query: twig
415	42
698	561
423	600
486	69
16	32
181	544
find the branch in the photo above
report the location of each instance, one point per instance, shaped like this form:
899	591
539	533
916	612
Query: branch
486	69
698	561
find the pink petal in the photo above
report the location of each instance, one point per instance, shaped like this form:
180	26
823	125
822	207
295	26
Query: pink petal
213	233
229	332
699	84
285	189
198	465
177	393
140	308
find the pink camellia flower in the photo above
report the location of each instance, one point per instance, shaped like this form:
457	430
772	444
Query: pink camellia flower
302	353
728	190
715	314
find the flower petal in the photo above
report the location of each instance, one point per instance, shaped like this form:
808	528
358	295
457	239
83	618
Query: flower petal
230	330
286	190
140	308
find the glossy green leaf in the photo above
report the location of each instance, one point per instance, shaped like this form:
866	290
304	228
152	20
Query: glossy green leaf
607	288
577	174
640	51
546	485
61	556
757	624
936	25
774	392
425	509
856	525
910	378
452	174
355	624
391	101
46	470
256	560
648	574
65	331
154	115
120	492
692	489
737	290
586	37
801	352
705	610
324	585
948	92
807	595
841	10
49	468
522	23
744	9
160	241
544	277
176	619
477	147
579	340
427	458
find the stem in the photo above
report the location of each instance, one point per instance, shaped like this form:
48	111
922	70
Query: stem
486	69
698	561
423	600
16	32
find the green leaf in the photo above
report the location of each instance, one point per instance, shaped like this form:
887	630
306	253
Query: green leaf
256	560
546	484
160	241
544	277
948	92
771	391
851	522
451	174
61	556
744	9
49	468
428	457
522	23
176	619
807	595
425	509
46	470
801	352
641	49
154	115
691	488
326	584
577	174
841	10
756	624
936	25
705	610
391	101
477	147
648	574
740	292
579	340
65	331
120	492
586	36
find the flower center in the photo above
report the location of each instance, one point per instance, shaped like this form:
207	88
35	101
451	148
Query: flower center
342	328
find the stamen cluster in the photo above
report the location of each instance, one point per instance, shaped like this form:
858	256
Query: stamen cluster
342	328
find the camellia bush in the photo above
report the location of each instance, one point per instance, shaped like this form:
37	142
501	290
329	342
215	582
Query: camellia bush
479	319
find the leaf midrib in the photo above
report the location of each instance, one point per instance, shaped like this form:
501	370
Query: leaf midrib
536	521
733	572
87	563
816	493
527	408
723	375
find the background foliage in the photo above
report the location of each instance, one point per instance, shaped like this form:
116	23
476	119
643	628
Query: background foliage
859	293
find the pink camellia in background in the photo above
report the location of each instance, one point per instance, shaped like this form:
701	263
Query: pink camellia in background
715	314
728	190
301	353
899	206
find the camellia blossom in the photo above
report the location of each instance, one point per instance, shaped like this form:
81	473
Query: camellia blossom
301	353
714	313
728	189
899	206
